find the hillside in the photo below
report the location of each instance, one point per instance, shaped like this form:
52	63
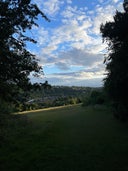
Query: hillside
65	139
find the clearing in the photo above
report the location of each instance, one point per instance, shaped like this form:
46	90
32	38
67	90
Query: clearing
71	138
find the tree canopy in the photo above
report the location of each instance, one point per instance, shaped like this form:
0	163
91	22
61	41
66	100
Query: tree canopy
115	33
16	62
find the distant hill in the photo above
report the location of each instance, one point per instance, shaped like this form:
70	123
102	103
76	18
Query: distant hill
62	91
50	96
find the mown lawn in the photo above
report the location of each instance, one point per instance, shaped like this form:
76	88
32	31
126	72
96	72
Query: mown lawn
66	139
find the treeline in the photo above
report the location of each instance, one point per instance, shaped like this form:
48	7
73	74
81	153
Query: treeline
45	95
115	34
96	97
60	91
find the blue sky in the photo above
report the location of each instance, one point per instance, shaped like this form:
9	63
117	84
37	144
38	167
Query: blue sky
70	47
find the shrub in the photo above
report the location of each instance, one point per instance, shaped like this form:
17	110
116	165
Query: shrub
120	111
96	97
6	108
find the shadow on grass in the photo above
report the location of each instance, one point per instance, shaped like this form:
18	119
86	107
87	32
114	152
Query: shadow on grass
65	139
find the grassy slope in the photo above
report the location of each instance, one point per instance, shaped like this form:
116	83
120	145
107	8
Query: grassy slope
67	139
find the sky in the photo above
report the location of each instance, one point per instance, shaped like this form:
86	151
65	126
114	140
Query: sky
70	46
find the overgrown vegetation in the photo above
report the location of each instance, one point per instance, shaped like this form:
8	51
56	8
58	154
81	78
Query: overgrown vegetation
16	61
96	97
115	33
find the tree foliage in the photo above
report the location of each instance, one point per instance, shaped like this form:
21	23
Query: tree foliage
16	62
115	33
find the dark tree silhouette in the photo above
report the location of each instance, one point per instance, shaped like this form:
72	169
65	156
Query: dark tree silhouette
116	83
16	62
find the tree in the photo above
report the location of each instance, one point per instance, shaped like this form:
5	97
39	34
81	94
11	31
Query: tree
115	33
16	62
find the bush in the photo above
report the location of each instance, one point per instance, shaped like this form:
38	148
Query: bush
6	108
120	111
96	97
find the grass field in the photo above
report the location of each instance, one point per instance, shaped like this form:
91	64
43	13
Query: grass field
72	138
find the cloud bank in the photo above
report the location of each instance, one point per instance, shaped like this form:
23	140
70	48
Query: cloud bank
70	47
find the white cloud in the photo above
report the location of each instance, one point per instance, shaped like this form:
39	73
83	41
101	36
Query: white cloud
65	61
76	31
103	14
69	1
76	41
51	7
73	33
115	1
43	35
79	57
82	78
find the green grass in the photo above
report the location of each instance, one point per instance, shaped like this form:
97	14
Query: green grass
66	139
